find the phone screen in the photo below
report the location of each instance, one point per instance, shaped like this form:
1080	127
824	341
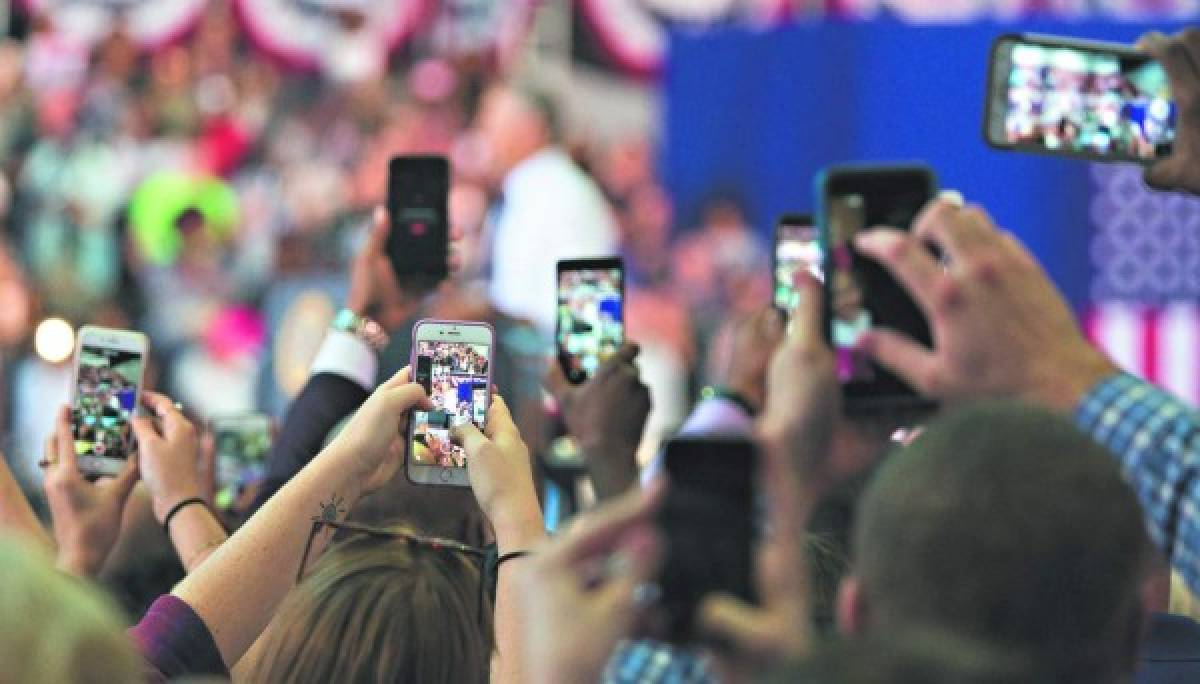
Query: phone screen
591	317
242	444
860	293
106	394
797	250
456	376
419	238
707	521
1079	100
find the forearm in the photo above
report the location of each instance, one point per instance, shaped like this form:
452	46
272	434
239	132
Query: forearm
1156	439
196	534
237	590
612	467
16	515
522	532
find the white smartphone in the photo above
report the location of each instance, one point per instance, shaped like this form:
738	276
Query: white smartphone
453	361
110	366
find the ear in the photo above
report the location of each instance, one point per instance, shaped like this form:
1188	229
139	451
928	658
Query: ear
851	607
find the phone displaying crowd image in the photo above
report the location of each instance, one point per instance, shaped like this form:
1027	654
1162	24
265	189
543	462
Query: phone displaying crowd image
110	365
1078	98
859	293
590	318
709	528
797	250
242	443
453	362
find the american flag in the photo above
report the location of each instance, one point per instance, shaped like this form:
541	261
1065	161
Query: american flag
1145	252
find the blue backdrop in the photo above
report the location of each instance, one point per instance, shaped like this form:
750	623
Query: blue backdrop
757	114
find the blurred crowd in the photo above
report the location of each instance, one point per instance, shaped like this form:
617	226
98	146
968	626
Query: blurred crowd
173	192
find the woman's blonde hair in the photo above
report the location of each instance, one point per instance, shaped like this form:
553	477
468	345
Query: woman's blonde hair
380	609
56	628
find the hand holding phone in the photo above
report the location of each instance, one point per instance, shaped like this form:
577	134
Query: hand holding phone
590	318
1078	98
453	362
109	368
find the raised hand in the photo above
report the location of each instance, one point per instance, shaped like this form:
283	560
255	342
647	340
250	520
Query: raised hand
606	416
86	515
1180	57
169	457
1000	327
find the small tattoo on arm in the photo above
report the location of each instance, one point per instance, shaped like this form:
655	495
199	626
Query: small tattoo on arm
330	511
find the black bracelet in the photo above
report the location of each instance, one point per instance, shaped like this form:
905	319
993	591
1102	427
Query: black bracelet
510	556
166	524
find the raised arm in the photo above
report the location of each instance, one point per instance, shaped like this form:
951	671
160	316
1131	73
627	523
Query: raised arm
1000	328
169	462
236	591
502	479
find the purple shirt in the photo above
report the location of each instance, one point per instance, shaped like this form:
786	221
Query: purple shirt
175	642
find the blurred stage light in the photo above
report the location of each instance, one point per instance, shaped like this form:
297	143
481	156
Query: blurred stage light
54	340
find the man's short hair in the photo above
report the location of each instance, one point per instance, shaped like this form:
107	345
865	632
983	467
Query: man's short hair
1003	522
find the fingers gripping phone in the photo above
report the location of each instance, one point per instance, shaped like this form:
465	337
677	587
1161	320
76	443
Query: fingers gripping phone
419	240
110	367
859	293
708	524
590	318
453	362
797	250
1078	98
242	444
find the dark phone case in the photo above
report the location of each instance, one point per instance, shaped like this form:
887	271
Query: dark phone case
413	364
993	97
783	220
709	527
581	265
419	256
887	391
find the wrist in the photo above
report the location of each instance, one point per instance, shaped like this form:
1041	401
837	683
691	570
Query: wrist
1063	387
518	529
78	562
162	504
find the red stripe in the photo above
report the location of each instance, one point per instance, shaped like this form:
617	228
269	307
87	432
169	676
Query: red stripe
1150	321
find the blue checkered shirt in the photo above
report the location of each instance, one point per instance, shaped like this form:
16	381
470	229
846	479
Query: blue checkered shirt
648	661
1157	439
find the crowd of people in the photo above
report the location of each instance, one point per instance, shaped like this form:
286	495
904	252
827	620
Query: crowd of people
1024	530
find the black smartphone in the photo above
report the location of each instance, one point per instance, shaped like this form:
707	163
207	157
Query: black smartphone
419	241
797	250
590	317
709	528
860	293
1100	101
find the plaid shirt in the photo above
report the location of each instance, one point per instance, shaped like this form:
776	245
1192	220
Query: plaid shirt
1157	439
649	661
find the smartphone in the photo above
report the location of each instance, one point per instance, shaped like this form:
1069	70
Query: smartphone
710	530
453	361
591	314
860	294
1099	101
419	241
110	366
797	250
242	444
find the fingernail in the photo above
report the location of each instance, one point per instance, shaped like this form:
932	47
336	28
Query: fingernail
952	197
